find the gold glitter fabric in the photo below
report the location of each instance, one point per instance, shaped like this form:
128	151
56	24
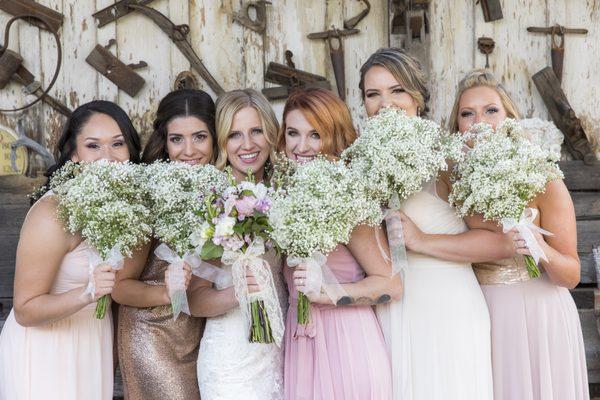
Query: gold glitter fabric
505	272
157	356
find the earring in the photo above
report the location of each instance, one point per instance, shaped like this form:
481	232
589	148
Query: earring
418	111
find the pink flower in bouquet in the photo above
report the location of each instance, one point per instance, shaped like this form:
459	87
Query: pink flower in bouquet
245	206
263	205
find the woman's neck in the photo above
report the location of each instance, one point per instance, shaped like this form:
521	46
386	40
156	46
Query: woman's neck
240	176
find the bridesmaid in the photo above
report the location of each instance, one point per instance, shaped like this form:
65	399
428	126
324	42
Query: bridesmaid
340	354
52	346
158	355
439	333
229	366
537	344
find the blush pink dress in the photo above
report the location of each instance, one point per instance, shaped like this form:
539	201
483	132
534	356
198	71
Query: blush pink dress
341	353
70	359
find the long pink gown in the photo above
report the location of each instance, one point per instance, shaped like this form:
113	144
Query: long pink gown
70	359
341	353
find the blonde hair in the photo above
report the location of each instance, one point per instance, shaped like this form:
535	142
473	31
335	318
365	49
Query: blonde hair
478	78
327	114
228	104
405	69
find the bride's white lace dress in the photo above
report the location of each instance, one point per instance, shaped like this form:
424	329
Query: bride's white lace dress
229	366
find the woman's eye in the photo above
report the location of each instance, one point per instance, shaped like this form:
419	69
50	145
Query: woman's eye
398	90
199	137
257	131
492	110
235	135
466	114
118	144
175	139
372	94
315	135
291	133
92	146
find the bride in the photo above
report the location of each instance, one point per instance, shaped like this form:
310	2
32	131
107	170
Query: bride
229	366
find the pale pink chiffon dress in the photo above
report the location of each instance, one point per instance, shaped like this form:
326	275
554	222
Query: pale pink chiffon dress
537	344
341	353
70	359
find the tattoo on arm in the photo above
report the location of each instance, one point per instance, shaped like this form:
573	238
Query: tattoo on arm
363	301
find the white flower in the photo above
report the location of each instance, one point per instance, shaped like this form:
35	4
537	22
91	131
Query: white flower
224	227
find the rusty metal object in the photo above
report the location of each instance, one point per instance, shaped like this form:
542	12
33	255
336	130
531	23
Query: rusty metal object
352	22
124	76
116	11
291	78
185	80
25	141
10	62
336	54
23	76
563	115
486	46
260	23
178	34
557	53
53	18
492	10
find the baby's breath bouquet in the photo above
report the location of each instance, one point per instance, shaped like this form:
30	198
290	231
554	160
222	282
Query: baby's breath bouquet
177	192
499	176
322	202
105	203
399	154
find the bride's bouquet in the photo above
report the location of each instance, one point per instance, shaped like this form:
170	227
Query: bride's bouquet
500	175
177	192
105	203
399	154
237	230
320	205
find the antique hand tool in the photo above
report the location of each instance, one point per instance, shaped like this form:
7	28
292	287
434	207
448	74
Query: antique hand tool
492	10
52	18
563	115
116	11
124	76
352	22
336	54
11	68
486	46
558	50
291	78
25	141
260	23
178	34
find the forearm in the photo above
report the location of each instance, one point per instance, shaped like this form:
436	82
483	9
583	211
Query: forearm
131	292
562	269
48	308
475	245
370	291
206	301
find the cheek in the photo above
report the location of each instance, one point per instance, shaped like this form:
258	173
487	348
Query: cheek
121	154
371	106
407	103
464	124
315	145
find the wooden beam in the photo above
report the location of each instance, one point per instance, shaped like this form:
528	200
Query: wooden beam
19	7
579	176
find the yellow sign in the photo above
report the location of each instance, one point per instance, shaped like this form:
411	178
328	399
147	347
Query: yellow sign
7	137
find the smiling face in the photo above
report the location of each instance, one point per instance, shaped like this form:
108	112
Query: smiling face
100	139
383	90
480	104
247	146
302	141
189	141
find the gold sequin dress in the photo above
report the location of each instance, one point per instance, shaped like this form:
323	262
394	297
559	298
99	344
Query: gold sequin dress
157	355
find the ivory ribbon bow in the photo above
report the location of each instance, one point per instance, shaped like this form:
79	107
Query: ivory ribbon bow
252	259
115	260
319	275
526	227
176	282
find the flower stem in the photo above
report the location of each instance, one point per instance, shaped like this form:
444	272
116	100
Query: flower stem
101	306
532	268
260	331
303	308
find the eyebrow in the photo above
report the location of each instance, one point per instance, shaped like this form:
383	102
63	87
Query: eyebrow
120	135
193	133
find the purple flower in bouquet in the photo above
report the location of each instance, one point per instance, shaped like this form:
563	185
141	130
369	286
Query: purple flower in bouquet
245	206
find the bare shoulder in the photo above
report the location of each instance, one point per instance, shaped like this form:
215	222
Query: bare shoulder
556	195
42	223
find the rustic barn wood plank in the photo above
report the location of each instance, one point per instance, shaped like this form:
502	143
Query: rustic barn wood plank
587	205
8	248
178	11
589	327
587	235
579	176
588	268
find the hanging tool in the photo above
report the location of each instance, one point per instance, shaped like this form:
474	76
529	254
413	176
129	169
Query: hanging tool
178	34
492	10
486	46
336	54
558	50
124	76
260	23
52	18
11	68
25	141
116	11
352	22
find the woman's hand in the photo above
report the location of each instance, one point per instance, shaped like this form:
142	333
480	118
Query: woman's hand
104	281
520	244
251	282
413	236
305	284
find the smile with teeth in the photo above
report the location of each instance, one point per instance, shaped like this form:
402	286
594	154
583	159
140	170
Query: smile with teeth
250	157
300	158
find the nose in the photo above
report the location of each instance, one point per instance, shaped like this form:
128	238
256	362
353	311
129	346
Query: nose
478	118
106	153
188	150
385	101
303	145
247	142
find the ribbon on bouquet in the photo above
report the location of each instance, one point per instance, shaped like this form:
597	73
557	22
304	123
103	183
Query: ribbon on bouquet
526	228
319	275
252	259
114	259
176	281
